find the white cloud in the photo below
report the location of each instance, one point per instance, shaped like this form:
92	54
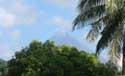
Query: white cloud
14	12
6	19
63	3
62	23
59	2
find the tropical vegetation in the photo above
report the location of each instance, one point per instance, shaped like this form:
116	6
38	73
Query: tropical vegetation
3	67
106	18
47	59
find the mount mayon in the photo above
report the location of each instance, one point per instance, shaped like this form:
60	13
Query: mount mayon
64	38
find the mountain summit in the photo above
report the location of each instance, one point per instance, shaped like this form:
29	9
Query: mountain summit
64	38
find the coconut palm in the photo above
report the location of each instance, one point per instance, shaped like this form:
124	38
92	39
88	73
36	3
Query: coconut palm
105	17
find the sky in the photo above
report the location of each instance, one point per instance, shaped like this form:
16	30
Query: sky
22	21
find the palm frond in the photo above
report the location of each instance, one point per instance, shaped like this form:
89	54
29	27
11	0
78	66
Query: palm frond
109	30
96	28
95	31
93	13
115	47
116	43
114	5
87	4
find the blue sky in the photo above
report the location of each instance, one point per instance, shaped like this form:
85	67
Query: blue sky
22	21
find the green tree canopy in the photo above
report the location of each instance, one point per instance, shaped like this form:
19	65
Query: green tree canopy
46	59
3	67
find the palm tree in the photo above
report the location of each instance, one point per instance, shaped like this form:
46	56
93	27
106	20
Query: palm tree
105	17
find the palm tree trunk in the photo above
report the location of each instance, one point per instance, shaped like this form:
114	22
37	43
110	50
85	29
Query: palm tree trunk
123	60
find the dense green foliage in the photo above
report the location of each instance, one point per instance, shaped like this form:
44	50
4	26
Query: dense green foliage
3	67
46	59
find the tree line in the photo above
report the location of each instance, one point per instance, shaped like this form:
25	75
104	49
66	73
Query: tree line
47	59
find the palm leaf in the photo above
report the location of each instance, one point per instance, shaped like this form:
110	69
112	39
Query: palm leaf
116	44
109	30
95	30
87	4
93	13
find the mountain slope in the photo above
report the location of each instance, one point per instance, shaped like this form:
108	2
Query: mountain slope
64	38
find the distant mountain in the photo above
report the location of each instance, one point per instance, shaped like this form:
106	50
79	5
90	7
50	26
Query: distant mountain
64	38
